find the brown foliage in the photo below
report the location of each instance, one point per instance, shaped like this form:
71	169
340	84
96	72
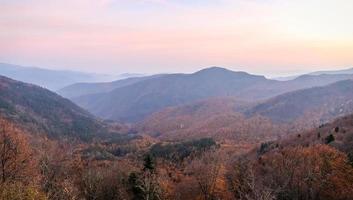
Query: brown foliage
219	118
244	184
16	163
60	170
207	171
18	191
100	183
315	172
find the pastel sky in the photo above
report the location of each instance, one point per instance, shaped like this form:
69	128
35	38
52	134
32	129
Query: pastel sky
272	37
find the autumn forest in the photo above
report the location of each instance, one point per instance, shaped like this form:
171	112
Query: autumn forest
214	134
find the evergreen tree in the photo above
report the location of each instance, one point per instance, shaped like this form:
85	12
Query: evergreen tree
330	138
144	185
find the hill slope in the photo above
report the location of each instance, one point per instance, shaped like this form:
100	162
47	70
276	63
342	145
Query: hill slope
39	110
219	118
291	112
341	129
337	134
320	103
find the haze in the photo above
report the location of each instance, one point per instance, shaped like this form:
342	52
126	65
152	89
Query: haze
271	37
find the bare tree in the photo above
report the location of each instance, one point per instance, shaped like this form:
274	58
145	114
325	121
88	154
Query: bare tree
59	170
206	171
244	184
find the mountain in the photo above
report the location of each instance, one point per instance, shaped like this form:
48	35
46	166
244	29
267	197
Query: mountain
331	72
81	89
50	79
134	102
41	111
319	104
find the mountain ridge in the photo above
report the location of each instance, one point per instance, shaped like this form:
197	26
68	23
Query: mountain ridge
82	89
135	101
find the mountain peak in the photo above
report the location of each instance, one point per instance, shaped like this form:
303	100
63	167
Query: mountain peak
219	72
213	70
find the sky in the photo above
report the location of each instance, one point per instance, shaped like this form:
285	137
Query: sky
270	37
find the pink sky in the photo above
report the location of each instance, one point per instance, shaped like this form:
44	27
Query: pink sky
272	37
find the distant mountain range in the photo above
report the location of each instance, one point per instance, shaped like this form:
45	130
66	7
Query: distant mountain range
41	111
133	102
136	101
132	99
213	102
54	79
344	71
81	89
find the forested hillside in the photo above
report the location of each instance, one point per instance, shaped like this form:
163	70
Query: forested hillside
40	111
320	104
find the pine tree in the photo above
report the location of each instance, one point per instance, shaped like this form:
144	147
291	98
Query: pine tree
149	163
144	185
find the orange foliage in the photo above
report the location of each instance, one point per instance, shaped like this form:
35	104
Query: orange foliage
308	172
16	162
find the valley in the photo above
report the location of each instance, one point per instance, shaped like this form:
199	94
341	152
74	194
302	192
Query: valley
176	100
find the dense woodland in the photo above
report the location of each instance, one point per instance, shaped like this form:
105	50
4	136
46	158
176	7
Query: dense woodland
37	168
